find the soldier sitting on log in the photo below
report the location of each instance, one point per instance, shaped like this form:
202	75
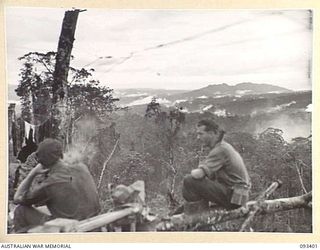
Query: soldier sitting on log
222	177
67	191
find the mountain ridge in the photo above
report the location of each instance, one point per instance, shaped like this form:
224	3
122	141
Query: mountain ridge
223	89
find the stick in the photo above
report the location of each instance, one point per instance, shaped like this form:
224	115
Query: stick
260	198
300	179
106	162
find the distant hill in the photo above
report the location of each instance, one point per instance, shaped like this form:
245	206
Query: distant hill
220	90
133	97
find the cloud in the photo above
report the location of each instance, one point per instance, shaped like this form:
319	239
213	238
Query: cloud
180	48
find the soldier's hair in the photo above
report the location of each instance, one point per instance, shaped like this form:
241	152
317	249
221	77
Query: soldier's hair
211	125
49	151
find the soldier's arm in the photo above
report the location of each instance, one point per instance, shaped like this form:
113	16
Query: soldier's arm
213	162
23	193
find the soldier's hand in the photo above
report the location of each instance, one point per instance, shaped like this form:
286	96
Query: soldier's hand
197	173
39	169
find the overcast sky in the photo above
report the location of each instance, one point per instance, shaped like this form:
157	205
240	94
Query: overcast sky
172	49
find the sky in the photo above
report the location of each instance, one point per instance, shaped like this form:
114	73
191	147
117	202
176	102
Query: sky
172	49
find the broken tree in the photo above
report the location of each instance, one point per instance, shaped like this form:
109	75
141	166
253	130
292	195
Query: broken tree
60	74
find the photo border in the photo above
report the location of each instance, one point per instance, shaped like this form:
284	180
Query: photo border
199	237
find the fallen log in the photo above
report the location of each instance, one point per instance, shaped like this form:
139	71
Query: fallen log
104	219
212	217
61	225
283	204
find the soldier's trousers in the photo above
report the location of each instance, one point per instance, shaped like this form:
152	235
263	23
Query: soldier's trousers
208	190
26	217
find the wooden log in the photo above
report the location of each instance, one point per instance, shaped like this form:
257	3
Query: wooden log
212	217
283	204
58	225
67	225
104	219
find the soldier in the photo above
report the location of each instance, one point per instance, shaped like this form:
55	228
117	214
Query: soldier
222	177
67	191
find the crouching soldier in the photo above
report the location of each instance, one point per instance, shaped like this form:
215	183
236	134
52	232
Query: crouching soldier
67	191
222	177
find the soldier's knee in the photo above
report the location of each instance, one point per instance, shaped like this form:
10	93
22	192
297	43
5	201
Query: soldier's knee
20	211
188	181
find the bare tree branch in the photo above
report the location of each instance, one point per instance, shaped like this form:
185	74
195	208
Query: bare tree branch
300	179
106	162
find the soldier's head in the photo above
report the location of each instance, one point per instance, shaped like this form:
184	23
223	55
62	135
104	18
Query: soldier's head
49	152
209	132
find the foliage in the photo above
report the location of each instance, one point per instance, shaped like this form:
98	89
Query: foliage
168	124
131	166
268	158
35	84
153	108
90	98
35	89
171	122
101	145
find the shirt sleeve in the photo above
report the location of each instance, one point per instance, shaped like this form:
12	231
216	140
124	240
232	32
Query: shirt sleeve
213	162
30	163
36	195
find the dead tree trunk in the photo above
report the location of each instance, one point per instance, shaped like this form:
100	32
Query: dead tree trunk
213	217
64	54
60	74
